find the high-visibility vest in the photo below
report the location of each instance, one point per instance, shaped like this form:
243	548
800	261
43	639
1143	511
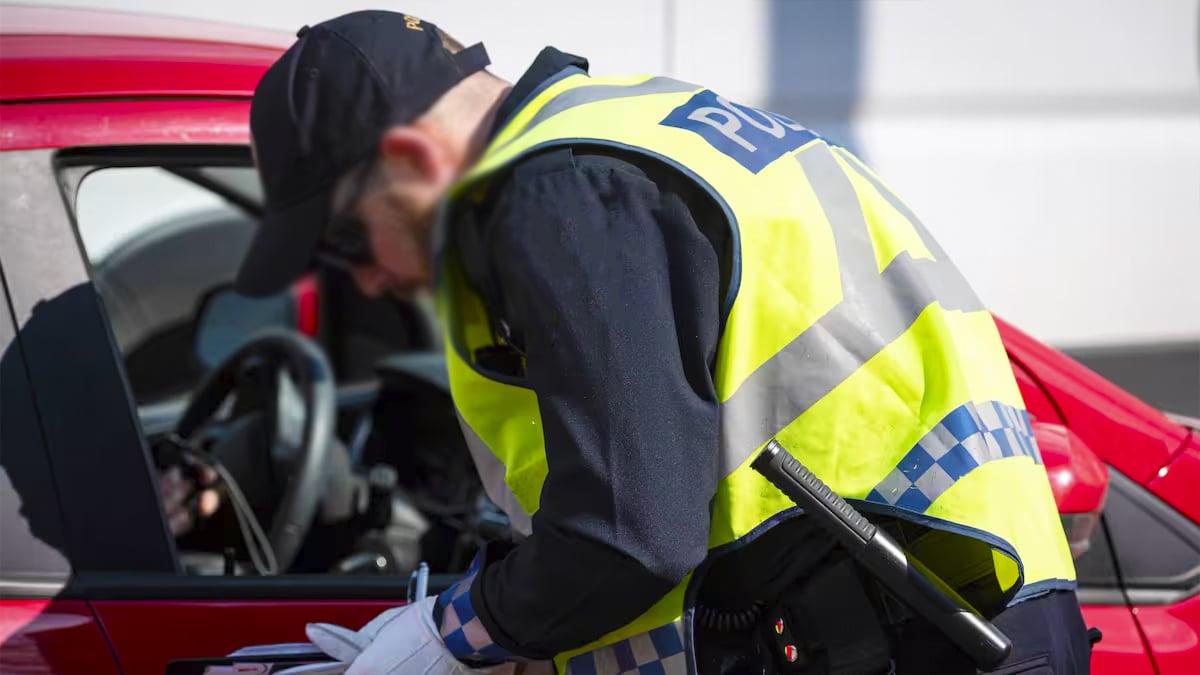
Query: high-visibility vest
848	335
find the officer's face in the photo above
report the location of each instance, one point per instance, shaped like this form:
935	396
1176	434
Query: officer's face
397	207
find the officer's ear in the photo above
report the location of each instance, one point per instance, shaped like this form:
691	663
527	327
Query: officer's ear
410	154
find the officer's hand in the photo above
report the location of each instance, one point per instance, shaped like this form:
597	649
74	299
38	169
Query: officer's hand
399	641
177	492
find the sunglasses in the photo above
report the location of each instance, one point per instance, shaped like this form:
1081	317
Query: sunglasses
344	243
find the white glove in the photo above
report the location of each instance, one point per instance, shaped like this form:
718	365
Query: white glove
400	641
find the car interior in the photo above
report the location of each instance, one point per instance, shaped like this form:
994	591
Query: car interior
325	414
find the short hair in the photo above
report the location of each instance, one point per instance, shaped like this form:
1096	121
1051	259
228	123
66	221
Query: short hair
453	46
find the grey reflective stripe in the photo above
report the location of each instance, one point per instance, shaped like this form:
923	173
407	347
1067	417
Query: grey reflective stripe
930	243
590	93
875	310
491	474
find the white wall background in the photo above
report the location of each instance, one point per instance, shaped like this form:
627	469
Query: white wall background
1052	147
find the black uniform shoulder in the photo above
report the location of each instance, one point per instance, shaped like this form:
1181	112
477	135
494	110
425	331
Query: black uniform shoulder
666	191
583	159
597	164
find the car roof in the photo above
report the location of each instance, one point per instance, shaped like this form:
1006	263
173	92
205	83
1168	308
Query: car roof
52	53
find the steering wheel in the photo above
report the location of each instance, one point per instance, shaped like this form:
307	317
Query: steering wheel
285	393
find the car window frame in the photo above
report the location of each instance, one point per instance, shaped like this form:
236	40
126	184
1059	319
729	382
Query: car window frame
70	167
73	165
1126	550
1119	552
1109	591
91	433
49	566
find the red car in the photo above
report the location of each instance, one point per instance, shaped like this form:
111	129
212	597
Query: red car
127	197
1140	575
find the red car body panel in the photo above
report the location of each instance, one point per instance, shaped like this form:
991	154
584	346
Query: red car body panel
147	635
1123	650
95	67
1178	483
124	122
1173	634
307	294
56	22
1148	447
76	77
1077	477
53	637
1038	404
1133	436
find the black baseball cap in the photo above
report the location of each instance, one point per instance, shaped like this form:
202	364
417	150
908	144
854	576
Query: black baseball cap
321	110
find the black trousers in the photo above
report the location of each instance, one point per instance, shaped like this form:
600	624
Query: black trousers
1048	634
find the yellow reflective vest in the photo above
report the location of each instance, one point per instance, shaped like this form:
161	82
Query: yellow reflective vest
849	336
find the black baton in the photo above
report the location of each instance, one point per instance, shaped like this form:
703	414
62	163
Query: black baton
916	585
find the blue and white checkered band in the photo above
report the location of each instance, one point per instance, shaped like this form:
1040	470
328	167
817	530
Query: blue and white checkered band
658	651
461	629
967	437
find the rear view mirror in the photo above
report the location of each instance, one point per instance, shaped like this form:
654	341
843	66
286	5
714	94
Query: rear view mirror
1078	479
225	320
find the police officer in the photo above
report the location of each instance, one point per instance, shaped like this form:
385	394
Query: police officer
640	283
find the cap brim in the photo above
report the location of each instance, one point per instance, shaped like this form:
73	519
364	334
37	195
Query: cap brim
284	246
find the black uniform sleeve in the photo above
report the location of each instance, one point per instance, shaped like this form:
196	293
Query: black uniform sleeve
614	292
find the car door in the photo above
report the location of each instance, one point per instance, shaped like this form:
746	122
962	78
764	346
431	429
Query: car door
46	626
1140	580
1156	551
1106	606
1123	649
